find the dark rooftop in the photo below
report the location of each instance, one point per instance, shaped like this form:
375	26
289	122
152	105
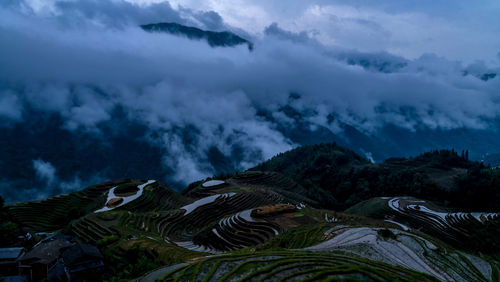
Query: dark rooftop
46	252
10	253
76	252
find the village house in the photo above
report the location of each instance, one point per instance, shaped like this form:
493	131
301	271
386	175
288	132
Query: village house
60	258
41	261
8	261
82	262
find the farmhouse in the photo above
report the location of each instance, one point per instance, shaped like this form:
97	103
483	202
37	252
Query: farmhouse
60	258
8	261
41	262
81	262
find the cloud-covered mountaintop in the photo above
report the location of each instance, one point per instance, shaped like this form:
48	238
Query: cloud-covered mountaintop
86	94
214	39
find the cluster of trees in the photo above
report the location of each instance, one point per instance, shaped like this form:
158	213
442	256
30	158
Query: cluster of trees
445	159
8	230
338	178
131	263
478	190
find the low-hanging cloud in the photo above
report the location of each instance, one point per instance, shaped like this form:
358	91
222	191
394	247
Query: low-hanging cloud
47	183
45	171
82	65
10	107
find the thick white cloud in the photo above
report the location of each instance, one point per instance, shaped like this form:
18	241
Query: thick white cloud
462	30
70	60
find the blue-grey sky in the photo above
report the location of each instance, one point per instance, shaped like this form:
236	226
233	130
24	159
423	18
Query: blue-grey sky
368	64
463	30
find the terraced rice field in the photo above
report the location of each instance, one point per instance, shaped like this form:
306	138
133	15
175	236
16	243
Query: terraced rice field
125	200
299	237
291	191
290	265
184	227
407	250
204	201
89	230
155	197
300	243
212	183
56	212
237	231
259	227
458	228
473	231
442	219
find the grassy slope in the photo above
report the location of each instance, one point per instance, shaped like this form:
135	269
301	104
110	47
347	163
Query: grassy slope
371	207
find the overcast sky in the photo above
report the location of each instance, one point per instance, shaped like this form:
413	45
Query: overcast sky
458	30
412	64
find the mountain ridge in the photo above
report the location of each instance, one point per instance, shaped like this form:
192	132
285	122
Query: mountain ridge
213	38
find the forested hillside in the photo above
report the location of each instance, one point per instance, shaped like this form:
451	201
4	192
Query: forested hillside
339	178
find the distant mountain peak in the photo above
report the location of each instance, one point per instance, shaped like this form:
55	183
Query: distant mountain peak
213	38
